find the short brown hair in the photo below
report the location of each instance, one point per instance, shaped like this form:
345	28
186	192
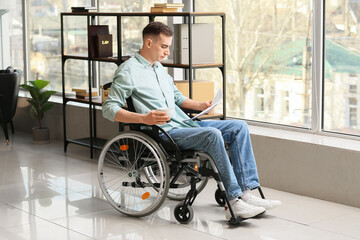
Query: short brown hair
156	28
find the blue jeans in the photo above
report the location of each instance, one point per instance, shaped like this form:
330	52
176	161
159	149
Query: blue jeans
211	137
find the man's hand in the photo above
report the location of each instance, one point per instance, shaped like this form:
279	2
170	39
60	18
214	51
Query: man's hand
156	117
205	105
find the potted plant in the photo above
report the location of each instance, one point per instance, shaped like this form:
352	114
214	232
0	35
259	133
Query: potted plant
39	105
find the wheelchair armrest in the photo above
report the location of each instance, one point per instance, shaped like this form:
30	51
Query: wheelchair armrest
187	111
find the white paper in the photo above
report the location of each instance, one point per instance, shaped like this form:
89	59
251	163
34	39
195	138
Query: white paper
217	99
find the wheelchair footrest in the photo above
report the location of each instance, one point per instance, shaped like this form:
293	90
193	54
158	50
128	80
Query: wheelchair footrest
235	220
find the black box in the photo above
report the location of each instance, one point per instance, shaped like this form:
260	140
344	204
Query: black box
93	31
104	45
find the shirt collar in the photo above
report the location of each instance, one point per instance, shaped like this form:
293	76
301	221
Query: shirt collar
145	62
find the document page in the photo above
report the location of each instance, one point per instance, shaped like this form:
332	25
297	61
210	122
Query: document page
217	99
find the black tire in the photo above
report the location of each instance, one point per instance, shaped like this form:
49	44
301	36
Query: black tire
219	197
183	214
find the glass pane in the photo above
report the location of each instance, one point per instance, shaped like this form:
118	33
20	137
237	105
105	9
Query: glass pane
270	51
342	67
11	34
45	39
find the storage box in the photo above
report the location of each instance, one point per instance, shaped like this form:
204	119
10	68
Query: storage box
202	90
93	31
202	39
104	93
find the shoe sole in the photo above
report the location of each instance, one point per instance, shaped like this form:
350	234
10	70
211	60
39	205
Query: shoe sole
229	217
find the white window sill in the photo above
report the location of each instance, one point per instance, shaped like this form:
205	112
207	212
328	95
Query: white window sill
306	137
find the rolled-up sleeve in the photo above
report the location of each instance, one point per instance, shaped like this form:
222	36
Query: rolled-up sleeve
178	96
120	90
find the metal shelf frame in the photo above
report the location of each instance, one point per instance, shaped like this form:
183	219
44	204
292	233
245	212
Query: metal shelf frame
92	141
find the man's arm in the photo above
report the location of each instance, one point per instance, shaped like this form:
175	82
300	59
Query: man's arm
151	118
195	105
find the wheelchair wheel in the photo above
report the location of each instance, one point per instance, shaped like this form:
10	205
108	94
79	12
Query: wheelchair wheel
123	165
183	214
219	197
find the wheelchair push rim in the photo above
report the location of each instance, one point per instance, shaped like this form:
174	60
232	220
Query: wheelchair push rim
123	167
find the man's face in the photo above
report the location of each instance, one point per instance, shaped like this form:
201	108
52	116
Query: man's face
160	47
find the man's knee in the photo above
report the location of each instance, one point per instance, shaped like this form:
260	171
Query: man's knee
213	134
239	125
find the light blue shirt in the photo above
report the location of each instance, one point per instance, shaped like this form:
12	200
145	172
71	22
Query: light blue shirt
150	88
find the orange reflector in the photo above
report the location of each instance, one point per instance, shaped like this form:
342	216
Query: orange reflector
145	196
124	147
196	167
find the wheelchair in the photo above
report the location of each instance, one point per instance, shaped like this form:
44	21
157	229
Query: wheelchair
138	170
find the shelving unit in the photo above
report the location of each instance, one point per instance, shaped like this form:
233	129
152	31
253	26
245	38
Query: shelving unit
92	141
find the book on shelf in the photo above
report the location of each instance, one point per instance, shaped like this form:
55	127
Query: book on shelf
84	92
93	31
86	95
202	40
163	10
169	5
83	9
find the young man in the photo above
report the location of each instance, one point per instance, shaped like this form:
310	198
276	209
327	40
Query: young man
146	81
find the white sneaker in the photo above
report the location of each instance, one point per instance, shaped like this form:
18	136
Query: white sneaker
243	209
265	203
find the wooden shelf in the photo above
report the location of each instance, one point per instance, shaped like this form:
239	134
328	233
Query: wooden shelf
95	100
167	63
142	14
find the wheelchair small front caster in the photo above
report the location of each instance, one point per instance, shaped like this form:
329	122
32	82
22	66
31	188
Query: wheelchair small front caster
219	197
183	214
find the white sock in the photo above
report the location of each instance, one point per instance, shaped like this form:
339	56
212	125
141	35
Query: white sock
246	195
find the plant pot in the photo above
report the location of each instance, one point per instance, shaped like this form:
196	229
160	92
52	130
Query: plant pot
41	135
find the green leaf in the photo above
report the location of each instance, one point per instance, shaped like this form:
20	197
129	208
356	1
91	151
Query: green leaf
40	84
45	96
33	113
32	102
26	87
46	107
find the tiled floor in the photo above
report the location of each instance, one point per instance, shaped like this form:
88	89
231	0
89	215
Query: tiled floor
46	194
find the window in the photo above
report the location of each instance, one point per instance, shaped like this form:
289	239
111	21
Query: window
11	34
342	66
352	112
271	49
352	88
45	38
